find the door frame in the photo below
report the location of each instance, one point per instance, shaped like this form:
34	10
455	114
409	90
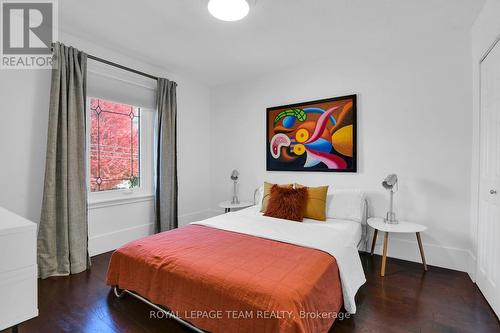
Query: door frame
477	176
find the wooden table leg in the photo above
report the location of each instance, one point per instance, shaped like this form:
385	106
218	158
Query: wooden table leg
384	257
374	241
14	329
421	248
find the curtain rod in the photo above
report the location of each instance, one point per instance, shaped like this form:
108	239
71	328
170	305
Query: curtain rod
125	68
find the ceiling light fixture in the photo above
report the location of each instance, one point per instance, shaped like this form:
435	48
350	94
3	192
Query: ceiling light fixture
228	10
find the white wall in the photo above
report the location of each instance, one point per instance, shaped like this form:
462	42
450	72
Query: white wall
414	102
485	31
414	118
24	100
23	133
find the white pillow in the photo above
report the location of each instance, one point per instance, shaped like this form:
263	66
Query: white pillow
345	204
259	195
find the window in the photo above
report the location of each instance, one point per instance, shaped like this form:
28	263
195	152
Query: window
119	148
114	145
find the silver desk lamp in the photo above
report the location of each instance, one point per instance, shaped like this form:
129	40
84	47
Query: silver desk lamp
234	177
389	183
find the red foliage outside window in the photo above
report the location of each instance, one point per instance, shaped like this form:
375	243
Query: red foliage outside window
114	145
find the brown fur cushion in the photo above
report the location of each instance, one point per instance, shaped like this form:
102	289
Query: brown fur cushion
267	194
287	203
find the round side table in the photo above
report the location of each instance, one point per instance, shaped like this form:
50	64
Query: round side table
227	205
378	223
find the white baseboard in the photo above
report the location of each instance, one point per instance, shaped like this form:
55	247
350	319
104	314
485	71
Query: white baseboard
111	241
435	255
472	271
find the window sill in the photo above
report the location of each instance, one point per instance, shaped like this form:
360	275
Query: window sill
119	200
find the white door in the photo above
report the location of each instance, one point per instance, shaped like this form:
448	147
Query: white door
488	266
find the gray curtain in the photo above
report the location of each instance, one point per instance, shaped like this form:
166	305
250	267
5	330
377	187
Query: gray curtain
166	156
62	233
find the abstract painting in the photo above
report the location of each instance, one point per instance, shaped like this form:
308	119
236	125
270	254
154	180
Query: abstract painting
312	136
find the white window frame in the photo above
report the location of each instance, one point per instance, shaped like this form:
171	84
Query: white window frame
146	159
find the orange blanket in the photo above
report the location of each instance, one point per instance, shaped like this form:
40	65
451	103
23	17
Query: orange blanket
223	281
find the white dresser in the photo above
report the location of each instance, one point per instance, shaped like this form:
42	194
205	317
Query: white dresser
18	269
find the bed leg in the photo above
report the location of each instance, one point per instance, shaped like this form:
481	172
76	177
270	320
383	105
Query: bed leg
119	293
374	241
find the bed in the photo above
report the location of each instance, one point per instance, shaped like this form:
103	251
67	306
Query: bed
244	272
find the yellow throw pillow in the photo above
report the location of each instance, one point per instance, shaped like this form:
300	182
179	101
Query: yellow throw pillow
267	193
316	202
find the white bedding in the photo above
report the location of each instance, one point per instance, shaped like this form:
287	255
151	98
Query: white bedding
348	228
340	241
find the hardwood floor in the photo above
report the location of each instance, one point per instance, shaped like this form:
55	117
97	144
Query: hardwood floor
406	300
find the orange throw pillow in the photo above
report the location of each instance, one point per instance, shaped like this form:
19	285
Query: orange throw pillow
316	202
287	203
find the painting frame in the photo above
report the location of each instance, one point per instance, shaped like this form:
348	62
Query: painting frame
353	168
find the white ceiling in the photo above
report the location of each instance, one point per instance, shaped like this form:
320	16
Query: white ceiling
181	34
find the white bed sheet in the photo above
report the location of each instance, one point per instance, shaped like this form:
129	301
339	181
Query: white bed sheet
351	229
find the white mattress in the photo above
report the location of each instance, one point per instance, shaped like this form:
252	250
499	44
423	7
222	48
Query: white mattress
350	229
